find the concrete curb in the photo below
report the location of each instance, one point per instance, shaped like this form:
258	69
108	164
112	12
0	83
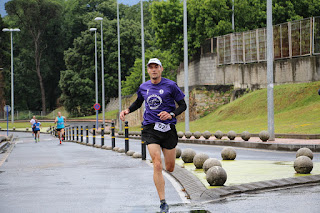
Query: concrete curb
198	192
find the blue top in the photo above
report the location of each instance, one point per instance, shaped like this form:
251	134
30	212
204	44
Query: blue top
159	97
36	126
60	122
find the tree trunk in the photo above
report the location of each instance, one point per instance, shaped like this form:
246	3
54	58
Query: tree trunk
37	57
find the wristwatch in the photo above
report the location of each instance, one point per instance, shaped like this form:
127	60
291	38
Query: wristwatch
172	114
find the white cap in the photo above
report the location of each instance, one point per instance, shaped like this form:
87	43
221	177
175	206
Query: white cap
154	61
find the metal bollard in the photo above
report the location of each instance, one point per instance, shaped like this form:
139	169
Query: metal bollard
73	133
113	138
66	134
143	147
77	133
94	135
69	129
87	134
81	132
102	135
126	136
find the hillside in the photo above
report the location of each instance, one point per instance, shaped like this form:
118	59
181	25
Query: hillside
296	110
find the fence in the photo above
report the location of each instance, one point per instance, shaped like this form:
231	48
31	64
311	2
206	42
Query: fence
291	39
24	115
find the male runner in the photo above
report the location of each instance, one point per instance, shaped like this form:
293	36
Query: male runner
36	130
32	121
60	121
159	132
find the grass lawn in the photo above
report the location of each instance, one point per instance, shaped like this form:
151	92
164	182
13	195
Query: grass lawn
296	111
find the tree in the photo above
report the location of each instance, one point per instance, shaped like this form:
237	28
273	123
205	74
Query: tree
80	59
4	62
34	16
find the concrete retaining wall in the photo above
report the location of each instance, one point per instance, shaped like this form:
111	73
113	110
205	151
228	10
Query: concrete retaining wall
204	71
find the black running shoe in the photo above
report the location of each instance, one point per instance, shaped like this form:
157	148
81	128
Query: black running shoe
164	207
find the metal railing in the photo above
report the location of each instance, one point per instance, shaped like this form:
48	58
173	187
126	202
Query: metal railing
291	39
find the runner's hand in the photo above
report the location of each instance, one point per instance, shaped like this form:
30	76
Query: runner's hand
164	116
123	113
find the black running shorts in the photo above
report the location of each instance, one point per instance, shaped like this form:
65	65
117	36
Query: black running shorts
167	140
59	129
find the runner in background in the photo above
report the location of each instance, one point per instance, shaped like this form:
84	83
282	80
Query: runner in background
60	121
36	130
32	121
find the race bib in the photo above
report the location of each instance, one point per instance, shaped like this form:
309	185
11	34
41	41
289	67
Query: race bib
162	127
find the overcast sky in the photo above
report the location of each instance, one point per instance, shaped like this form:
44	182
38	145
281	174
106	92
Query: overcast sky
3	11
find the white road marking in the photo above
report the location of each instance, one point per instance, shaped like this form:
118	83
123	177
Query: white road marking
175	184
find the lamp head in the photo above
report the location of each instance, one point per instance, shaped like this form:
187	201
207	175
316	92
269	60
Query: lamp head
93	29
98	19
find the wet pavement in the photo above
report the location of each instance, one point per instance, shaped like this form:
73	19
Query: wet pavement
48	177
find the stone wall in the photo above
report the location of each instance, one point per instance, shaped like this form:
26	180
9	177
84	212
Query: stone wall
254	75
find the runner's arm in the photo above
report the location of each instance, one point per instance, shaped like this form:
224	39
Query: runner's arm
134	106
182	106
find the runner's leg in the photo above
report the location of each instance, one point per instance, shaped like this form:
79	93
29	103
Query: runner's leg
62	134
155	153
169	158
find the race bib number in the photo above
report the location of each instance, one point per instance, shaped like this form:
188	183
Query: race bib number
162	127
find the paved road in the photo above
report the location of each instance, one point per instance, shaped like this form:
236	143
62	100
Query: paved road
48	177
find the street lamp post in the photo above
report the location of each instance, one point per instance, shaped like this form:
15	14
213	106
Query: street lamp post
12	86
96	71
119	67
102	70
186	73
142	48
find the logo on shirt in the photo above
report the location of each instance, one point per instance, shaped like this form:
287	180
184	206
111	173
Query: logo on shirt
154	101
161	91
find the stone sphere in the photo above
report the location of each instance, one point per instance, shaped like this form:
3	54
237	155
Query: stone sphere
303	165
216	176
97	146
188	155
103	147
218	134
188	134
264	136
178	152
13	128
231	135
197	134
228	153
130	153
27	129
109	148
245	135
180	134
207	134
115	149
121	150
305	152
199	159
137	155
210	163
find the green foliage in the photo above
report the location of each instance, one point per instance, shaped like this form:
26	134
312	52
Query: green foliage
78	94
